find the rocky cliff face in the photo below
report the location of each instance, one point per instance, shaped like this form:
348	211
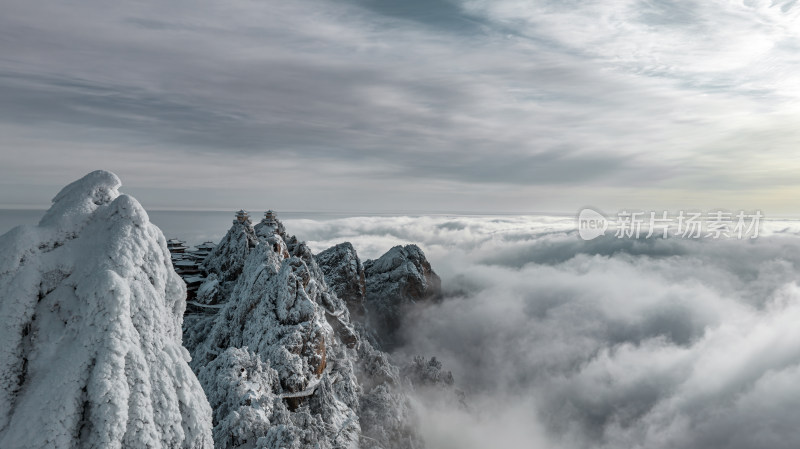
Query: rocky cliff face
344	272
93	314
282	364
394	282
225	264
92	311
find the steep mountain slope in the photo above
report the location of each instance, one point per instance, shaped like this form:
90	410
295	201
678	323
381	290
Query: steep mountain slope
92	311
394	282
226	261
344	272
282	364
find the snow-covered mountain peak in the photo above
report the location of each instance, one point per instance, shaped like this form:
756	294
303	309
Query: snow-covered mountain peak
344	272
394	282
78	200
92	314
281	361
270	225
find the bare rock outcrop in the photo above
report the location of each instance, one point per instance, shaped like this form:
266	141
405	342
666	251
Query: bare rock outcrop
344	272
395	282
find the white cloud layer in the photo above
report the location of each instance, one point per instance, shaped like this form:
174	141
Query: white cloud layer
562	343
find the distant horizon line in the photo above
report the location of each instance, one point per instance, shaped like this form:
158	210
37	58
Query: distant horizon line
325	211
367	213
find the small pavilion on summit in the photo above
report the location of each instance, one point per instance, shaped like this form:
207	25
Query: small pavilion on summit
242	216
269	218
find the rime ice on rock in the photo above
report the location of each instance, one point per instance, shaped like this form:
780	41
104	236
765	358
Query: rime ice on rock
281	362
92	311
344	272
269	226
226	261
394	282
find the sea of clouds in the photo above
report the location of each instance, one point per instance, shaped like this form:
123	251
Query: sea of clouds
563	343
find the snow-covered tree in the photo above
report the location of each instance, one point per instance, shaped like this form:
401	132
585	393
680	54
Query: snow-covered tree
91	353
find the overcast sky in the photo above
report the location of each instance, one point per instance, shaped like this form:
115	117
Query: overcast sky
416	105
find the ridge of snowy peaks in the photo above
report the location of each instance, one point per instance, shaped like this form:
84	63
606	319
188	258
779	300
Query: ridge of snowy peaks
92	312
282	365
395	282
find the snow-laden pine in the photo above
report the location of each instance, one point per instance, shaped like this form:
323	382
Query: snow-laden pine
91	353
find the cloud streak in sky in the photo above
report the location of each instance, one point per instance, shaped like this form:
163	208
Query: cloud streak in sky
516	96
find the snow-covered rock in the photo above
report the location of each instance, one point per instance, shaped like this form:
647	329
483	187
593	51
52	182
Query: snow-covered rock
433	385
394	282
270	225
282	364
226	261
344	272
387	419
91	353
